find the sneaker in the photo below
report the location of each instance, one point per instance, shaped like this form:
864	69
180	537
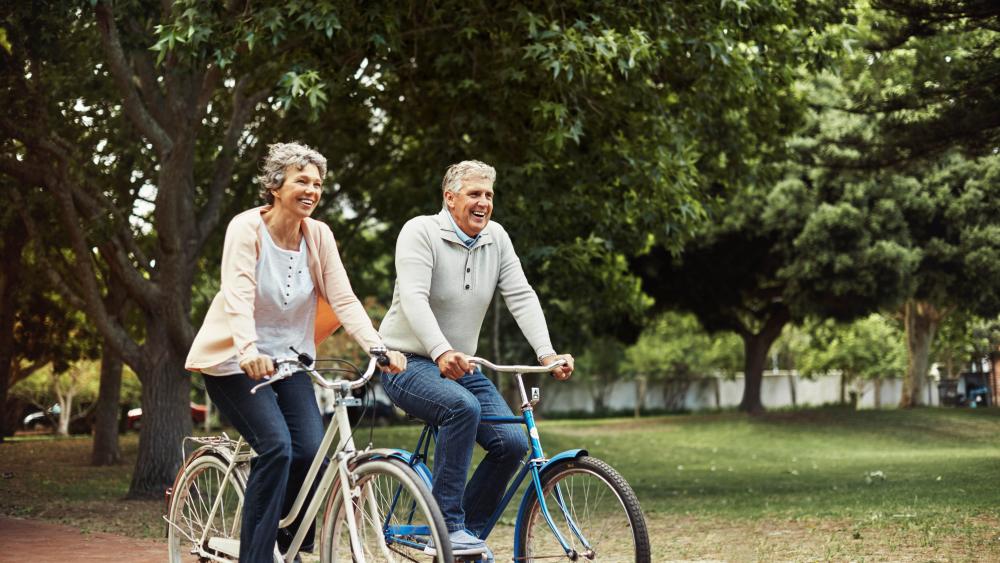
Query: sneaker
462	543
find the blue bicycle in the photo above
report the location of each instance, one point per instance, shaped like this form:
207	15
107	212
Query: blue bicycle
576	506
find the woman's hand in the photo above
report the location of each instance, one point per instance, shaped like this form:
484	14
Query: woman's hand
397	362
258	366
561	373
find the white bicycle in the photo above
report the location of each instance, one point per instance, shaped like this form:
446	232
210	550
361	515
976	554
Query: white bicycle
377	507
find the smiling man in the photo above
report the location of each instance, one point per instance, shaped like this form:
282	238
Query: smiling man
448	267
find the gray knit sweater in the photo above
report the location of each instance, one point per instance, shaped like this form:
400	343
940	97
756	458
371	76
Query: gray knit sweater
444	289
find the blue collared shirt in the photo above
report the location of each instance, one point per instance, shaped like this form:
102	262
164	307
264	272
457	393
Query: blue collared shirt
466	239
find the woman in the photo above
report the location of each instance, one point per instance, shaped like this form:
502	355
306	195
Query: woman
283	284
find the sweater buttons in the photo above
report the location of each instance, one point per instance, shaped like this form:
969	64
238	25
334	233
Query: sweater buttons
468	270
467	286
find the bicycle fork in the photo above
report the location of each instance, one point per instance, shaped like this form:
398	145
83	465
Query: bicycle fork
537	462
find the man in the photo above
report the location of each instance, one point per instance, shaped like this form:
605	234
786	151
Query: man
448	267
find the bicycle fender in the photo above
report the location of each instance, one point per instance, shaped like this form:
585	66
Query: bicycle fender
403	456
568	454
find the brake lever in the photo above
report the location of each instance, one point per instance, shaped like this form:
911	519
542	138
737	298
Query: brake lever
282	373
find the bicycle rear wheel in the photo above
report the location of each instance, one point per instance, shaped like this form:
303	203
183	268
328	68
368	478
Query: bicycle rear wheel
395	516
190	529
593	508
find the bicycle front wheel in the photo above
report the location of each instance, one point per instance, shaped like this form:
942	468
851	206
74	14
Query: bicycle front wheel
593	508
394	513
195	533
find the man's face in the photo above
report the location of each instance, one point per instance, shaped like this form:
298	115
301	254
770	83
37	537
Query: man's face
472	206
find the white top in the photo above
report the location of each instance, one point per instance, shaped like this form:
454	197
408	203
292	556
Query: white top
284	305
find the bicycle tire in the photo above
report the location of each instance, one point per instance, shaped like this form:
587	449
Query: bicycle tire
383	483
601	504
191	503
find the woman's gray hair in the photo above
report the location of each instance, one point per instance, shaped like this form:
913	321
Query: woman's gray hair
466	170
279	157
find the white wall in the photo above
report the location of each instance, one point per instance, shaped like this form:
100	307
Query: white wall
777	389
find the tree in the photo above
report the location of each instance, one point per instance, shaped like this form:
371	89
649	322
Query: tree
866	350
676	351
595	115
918	105
600	367
945	53
69	392
782	255
35	321
69	102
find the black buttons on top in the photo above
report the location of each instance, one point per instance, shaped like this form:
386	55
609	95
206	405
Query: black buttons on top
468	269
467	286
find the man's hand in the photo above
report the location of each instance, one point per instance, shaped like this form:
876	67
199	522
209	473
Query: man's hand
257	367
397	362
453	365
561	373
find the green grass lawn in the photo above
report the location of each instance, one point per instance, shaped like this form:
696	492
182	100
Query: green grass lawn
821	484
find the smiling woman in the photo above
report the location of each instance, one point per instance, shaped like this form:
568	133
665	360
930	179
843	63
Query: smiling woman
283	286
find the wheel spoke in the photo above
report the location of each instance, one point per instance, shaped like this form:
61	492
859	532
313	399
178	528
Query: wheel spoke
390	500
591	506
190	513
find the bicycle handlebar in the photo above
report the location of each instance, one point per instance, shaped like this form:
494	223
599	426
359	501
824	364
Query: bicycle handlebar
287	366
518	369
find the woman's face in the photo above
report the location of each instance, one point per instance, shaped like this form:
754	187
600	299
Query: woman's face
300	192
472	206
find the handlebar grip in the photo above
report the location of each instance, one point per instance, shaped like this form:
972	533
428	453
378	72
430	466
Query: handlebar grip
380	355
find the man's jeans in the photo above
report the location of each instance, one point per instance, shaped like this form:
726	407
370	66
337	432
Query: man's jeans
283	425
456	407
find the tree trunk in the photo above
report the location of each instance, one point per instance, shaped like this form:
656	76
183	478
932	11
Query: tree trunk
166	416
105	449
598	396
995	377
755	353
921	320
13	246
791	389
65	413
640	394
877	383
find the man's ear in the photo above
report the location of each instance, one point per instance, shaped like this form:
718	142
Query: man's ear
449	199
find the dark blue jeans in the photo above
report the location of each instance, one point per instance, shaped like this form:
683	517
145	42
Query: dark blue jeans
283	425
456	407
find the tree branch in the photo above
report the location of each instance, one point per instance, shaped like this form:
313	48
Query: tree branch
243	108
122	73
83	270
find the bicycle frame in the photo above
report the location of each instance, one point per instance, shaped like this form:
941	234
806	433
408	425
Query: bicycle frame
534	466
346	452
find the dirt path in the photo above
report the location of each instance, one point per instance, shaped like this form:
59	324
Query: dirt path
42	542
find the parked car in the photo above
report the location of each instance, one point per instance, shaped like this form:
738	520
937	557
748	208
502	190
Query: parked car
48	419
198	413
375	404
37	420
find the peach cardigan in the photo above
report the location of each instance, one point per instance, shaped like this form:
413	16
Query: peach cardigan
229	329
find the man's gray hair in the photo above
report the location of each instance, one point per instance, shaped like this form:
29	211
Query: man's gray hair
279	157
466	170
